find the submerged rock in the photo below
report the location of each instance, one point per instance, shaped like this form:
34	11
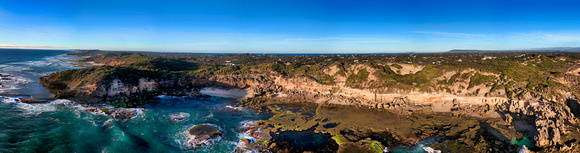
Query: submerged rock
203	134
126	113
112	111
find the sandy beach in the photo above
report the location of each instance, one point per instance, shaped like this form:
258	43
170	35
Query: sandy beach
232	93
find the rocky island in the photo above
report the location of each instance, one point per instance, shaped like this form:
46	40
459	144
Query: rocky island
452	102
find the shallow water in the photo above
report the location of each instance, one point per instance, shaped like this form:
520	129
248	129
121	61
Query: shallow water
525	141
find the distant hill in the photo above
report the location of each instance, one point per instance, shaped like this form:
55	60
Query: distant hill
551	49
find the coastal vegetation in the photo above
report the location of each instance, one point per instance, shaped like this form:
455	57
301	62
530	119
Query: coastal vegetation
497	82
509	74
518	73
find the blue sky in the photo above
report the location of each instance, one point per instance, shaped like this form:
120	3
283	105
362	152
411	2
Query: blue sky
293	26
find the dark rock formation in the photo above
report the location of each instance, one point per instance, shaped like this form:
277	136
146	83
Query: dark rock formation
203	134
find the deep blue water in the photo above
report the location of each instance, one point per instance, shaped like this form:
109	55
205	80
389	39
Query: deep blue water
22	68
19	55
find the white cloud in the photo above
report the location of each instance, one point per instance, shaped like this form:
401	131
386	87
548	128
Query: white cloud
554	37
547	39
209	44
448	34
356	40
328	38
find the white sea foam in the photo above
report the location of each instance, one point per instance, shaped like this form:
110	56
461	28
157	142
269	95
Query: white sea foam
240	146
8	99
209	116
246	134
62	60
431	150
36	108
246	124
179	117
10	82
234	108
163	97
48	65
8	88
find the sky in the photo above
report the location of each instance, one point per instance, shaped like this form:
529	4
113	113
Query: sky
291	26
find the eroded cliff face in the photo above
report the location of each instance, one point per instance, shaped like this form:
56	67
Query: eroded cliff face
120	93
551	122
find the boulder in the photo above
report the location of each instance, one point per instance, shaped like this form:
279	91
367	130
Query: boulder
204	134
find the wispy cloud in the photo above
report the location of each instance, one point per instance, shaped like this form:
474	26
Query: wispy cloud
327	38
553	37
449	34
208	43
362	40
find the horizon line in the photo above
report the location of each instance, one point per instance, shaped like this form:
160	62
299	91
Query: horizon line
542	49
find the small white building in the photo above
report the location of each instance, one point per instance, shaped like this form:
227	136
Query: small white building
229	63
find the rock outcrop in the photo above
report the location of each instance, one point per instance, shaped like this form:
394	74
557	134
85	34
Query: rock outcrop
203	134
539	118
119	86
545	121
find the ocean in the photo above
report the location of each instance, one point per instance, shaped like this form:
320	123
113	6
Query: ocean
60	126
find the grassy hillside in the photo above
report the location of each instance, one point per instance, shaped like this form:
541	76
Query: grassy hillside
515	74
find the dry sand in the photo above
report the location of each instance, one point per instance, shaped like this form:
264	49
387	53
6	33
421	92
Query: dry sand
231	93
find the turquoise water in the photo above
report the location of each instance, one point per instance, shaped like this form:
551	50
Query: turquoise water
523	142
56	126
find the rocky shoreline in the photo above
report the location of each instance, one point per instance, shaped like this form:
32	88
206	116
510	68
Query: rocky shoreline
552	128
546	125
550	122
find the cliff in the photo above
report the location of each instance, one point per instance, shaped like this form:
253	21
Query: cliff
120	86
537	94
